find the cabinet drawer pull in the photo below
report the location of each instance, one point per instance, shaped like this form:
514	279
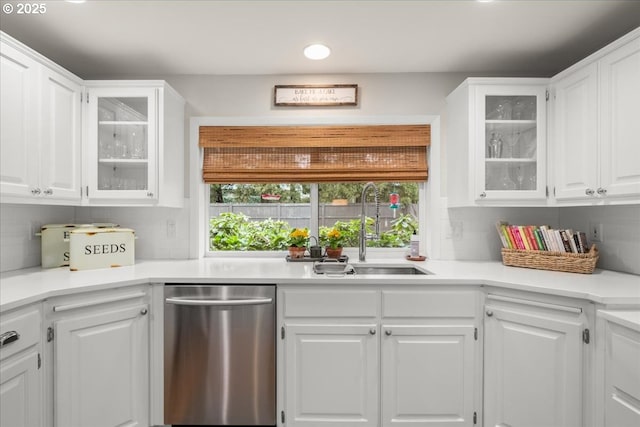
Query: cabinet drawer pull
589	192
8	338
35	191
143	311
387	332
66	307
483	195
372	331
48	192
601	191
489	313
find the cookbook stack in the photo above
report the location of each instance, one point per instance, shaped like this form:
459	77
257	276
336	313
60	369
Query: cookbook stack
545	248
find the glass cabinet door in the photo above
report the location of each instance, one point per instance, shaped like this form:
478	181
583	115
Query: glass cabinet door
511	143
123	128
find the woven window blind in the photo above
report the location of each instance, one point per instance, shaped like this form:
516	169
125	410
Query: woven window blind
262	154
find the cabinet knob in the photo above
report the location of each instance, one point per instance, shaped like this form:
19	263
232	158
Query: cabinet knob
149	194
48	192
589	191
143	311
483	195
35	191
387	332
489	313
601	191
372	331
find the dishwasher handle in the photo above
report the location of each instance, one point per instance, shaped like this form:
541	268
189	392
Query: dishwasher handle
219	302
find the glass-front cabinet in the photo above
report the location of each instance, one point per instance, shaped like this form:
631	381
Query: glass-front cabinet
510	142
495	143
122	143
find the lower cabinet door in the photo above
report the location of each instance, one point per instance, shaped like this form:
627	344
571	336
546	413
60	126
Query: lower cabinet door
102	369
20	391
533	369
427	375
331	375
622	376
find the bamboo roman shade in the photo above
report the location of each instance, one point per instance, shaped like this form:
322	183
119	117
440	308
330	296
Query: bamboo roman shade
261	154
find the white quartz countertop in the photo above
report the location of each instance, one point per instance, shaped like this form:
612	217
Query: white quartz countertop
31	285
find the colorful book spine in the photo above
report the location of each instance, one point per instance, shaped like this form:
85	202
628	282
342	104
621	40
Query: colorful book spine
541	238
508	237
523	236
515	231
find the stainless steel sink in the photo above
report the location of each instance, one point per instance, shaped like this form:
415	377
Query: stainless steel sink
340	268
395	269
333	268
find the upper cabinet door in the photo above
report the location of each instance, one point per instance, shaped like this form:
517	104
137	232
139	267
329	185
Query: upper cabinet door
575	139
61	165
19	118
510	142
122	143
620	123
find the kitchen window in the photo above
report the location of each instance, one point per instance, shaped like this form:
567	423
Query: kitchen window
260	217
263	181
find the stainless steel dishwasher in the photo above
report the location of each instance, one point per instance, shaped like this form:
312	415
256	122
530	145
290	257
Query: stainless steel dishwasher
219	355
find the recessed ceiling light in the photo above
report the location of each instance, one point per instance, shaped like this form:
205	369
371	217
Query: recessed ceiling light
317	51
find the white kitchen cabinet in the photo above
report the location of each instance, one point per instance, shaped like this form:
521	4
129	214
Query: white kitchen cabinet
100	359
496	144
595	126
620	124
41	128
134	145
621	368
575	128
379	357
332	374
427	375
20	368
533	363
430	349
328	360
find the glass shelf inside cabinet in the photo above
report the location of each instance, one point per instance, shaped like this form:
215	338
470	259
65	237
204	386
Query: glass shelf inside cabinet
123	143
510	143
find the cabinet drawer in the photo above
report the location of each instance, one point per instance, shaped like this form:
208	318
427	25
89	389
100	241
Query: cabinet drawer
26	325
416	303
330	303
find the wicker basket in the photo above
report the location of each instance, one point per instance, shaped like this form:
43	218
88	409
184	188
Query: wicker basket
556	261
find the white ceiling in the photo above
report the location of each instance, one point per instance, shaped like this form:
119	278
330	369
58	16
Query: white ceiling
142	39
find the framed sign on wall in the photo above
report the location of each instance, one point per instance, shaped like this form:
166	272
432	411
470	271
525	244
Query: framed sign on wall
315	95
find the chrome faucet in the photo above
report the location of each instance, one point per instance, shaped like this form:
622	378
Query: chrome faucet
362	251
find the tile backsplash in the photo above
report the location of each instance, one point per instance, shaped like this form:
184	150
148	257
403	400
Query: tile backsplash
470	234
20	248
465	233
620	245
162	233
